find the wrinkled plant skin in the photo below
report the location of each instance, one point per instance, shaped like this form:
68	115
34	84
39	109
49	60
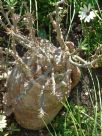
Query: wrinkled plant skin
25	105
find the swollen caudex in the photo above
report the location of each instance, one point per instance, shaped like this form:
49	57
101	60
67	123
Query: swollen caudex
40	94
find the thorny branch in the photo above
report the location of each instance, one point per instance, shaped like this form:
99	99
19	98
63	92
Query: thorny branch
20	63
74	59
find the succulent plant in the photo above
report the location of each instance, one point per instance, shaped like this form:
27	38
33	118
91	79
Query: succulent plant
39	98
43	77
